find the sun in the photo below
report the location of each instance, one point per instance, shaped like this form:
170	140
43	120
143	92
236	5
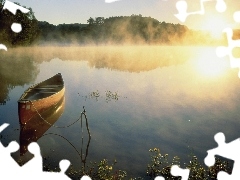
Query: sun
215	25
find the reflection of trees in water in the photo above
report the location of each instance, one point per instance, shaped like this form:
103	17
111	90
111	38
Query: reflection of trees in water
121	58
15	71
18	66
129	58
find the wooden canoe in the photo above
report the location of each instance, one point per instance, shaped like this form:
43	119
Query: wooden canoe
40	97
37	126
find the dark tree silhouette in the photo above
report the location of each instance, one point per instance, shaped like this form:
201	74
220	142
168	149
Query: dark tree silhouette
29	31
90	20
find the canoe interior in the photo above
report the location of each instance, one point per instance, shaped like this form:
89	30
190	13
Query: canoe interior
44	89
43	92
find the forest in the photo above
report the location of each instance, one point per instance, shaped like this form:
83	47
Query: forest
120	30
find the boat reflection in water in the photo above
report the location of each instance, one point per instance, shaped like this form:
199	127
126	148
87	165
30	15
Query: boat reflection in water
39	124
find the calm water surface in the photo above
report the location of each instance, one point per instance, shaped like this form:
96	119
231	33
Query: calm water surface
136	98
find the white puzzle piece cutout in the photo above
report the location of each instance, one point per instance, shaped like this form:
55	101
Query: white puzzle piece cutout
177	171
9	164
85	178
33	169
12	7
182	7
111	1
228	150
16	27
159	178
35	165
222	51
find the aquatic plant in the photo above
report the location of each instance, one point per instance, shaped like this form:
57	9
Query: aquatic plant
103	171
160	166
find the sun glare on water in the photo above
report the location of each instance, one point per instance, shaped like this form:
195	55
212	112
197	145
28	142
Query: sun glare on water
209	65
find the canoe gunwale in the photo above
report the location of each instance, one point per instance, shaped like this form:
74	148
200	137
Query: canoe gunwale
33	88
22	100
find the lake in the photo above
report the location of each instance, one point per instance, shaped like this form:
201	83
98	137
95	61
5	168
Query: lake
136	98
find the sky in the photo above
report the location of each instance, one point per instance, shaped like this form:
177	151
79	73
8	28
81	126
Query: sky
79	11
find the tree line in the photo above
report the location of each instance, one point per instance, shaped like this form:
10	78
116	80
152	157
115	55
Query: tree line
134	29
120	30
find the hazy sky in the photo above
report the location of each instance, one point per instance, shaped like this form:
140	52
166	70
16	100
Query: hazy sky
78	11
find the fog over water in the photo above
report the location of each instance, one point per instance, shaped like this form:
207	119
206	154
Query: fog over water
136	98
